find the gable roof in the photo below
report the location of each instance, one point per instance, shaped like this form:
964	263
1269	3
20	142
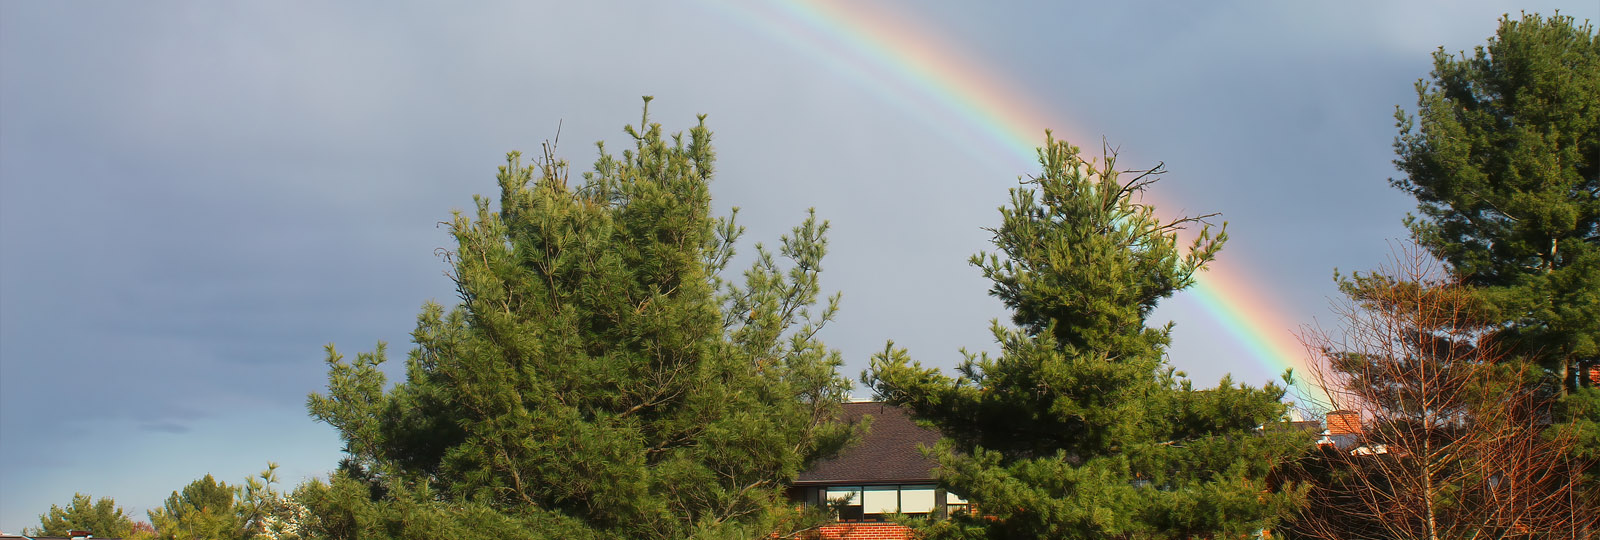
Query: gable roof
887	454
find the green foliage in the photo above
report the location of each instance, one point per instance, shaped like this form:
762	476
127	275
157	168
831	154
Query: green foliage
345	508
207	509
1503	157
203	510
1079	428
598	370
101	517
1504	160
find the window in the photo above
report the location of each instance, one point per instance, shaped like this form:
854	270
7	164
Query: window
845	495
917	500
956	505
847	501
880	500
872	503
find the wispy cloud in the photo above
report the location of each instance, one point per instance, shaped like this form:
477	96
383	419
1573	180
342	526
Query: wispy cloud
165	427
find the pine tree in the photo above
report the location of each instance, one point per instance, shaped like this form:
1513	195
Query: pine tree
1079	428
203	510
597	369
101	517
1504	160
207	509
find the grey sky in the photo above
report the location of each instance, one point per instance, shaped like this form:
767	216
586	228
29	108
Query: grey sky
194	198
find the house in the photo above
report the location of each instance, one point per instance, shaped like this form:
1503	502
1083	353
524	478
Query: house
885	473
1343	431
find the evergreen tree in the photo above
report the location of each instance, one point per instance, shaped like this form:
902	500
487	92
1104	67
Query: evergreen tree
1504	160
207	509
344	508
101	517
203	510
1079	428
597	369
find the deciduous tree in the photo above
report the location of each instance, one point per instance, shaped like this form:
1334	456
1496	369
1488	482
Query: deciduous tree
1455	443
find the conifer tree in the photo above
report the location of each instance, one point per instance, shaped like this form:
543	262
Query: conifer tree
1079	428
597	371
101	517
1504	160
1503	157
204	509
208	509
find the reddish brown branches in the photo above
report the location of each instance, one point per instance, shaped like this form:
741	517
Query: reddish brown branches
1454	442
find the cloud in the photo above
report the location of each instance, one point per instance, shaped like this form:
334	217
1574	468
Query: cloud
195	199
165	427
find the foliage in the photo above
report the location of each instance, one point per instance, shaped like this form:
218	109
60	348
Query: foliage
207	509
102	517
597	370
1079	428
1454	441
204	509
1504	160
345	508
267	513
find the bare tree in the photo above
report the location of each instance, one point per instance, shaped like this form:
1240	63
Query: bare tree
1453	441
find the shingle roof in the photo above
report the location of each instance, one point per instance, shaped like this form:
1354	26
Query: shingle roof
887	454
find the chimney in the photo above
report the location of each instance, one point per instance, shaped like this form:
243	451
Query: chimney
79	534
1344	423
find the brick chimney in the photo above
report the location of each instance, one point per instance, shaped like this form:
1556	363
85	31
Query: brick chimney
1344	423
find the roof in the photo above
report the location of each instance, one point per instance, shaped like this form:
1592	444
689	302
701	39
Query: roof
1303	425
887	454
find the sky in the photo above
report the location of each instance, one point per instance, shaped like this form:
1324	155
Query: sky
196	197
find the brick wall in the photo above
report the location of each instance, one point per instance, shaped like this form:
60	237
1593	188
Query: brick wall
862	531
1344	423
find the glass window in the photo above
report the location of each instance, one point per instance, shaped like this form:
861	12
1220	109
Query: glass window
847	501
843	495
916	499
955	505
880	499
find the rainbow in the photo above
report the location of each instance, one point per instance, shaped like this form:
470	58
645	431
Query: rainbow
909	67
